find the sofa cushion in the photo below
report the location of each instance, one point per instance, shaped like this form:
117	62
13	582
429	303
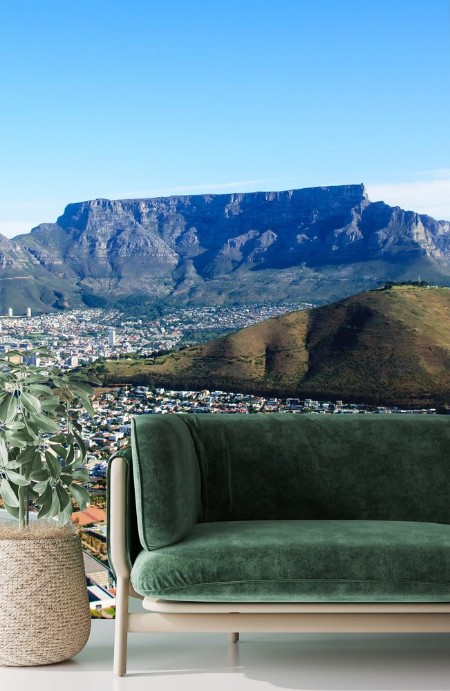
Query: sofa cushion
301	561
166	479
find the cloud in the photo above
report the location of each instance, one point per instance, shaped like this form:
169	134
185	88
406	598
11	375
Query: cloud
426	196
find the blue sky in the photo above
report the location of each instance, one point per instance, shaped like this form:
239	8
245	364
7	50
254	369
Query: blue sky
106	98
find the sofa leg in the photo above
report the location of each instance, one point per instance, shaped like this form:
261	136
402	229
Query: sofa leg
121	628
233	637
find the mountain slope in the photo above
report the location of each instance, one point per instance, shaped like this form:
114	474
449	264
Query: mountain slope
313	244
25	282
387	345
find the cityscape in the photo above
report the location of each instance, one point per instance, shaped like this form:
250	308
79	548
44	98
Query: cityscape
81	337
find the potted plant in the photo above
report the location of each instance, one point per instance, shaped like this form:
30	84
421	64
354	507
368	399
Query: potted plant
44	609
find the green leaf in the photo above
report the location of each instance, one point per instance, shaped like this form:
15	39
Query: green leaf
41	389
81	474
34	466
18	443
30	402
60	450
59	381
54	466
70	456
45	502
81	443
80	494
3	452
27	455
64	516
66	478
54	509
39	475
8	408
20	436
81	386
32	429
8	494
11	509
15	425
44	423
32	495
61	438
17	478
87	404
50	404
39	487
65	505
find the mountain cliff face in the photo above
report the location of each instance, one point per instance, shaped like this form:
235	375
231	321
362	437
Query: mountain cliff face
317	244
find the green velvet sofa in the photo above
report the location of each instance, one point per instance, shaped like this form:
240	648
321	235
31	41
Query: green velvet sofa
281	523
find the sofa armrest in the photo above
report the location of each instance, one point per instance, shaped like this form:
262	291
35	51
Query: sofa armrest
166	479
123	539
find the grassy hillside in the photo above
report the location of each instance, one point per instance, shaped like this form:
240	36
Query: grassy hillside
387	346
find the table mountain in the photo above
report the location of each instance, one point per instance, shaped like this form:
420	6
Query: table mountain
386	346
312	244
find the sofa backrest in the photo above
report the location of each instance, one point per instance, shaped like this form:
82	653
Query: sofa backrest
281	466
190	468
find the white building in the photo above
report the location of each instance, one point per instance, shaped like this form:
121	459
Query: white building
112	337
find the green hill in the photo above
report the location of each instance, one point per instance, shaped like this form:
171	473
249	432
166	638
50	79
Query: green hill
384	346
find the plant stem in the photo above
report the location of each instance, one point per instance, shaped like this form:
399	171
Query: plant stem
22	507
27	504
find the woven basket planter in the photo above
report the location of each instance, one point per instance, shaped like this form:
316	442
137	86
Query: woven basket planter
44	608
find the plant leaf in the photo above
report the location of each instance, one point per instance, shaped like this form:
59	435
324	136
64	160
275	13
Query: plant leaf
41	388
8	408
11	509
61	438
80	494
50	403
60	450
87	404
3	452
54	466
45	502
45	423
81	386
8	494
54	509
65	505
34	466
30	402
81	443
15	425
17	478
81	474
66	478
27	455
39	475
39	487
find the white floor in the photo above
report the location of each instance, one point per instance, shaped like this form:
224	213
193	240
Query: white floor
201	662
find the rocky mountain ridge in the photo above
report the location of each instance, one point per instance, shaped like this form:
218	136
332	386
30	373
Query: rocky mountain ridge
313	244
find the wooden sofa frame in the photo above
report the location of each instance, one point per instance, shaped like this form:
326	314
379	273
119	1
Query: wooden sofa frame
171	616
